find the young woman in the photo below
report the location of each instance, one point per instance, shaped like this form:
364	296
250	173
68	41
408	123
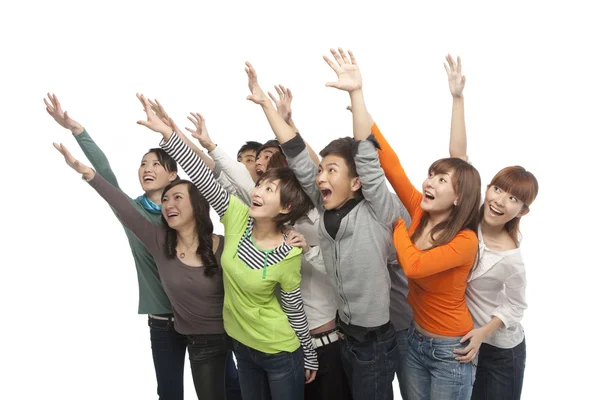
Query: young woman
436	253
269	339
496	288
156	171
186	253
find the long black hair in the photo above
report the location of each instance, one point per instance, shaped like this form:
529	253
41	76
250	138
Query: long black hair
204	228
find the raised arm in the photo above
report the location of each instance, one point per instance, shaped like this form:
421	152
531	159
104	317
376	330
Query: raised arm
350	80
406	191
422	263
193	166
284	108
230	173
130	217
90	148
458	130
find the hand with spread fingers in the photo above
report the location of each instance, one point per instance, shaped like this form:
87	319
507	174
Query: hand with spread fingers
200	132
456	79
346	69
72	162
256	93
284	104
475	338
153	122
62	117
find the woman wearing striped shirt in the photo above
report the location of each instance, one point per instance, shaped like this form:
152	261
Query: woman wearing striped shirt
269	339
496	288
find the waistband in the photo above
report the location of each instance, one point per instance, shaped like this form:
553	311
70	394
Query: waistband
162	317
324	338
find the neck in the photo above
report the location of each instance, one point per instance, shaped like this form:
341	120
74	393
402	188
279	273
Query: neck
436	218
264	229
491	231
186	236
154	196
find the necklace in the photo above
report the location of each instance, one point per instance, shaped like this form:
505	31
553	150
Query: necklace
182	253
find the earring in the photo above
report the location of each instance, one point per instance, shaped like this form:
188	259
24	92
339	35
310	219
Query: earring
455	203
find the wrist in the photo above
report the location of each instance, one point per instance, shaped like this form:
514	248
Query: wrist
457	97
208	145
77	130
89	174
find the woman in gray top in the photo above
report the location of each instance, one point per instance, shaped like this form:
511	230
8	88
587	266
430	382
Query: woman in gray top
186	253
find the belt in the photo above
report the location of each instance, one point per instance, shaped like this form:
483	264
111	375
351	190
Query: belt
325	338
162	317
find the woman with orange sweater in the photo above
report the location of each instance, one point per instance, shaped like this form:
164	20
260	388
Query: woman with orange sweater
436	253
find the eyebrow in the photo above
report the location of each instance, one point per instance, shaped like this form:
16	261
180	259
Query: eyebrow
329	164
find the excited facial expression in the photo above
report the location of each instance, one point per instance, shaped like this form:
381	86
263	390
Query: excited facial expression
153	176
262	160
248	158
177	207
266	200
500	207
335	183
438	193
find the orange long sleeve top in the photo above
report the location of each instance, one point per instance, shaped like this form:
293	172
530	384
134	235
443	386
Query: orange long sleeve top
437	278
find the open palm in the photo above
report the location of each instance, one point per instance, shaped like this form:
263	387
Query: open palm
73	162
346	69
456	80
54	108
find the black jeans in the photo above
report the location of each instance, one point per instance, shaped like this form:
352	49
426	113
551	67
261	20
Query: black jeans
208	357
369	359
499	372
331	381
168	353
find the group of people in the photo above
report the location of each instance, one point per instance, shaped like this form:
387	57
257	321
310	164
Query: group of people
325	284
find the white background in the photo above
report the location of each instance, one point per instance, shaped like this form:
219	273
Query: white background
69	296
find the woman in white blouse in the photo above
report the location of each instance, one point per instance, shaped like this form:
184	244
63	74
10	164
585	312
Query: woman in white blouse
496	289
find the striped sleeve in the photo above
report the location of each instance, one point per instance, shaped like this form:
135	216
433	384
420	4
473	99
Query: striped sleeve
292	305
198	172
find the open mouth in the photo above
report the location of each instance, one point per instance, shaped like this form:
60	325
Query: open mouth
429	196
494	211
149	179
325	193
256	204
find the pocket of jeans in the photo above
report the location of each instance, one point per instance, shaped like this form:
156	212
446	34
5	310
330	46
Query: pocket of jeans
159	324
364	352
201	349
445	353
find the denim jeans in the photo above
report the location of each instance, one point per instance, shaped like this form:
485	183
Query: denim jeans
232	380
263	376
401	354
168	353
499	372
432	371
331	381
208	357
370	363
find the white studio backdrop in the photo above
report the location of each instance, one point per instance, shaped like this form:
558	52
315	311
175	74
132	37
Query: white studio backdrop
69	289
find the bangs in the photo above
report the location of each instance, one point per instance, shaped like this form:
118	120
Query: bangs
518	182
447	165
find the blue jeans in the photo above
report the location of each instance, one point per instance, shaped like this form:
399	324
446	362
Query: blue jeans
370	363
168	353
263	376
401	354
499	372
432	371
232	380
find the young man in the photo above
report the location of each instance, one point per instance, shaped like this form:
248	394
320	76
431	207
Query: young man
247	156
358	213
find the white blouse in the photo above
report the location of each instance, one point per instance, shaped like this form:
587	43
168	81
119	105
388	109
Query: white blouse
497	288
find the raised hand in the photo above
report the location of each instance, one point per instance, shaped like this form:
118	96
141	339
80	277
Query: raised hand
153	122
200	132
256	93
284	104
62	117
346	69
159	110
72	162
456	80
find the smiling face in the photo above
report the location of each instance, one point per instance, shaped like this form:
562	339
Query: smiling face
335	182
177	207
501	207
439	195
266	200
153	175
